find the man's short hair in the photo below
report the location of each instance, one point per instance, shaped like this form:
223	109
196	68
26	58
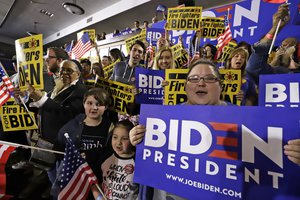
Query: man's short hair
138	42
60	53
86	61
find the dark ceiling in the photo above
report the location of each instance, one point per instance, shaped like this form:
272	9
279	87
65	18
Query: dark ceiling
21	16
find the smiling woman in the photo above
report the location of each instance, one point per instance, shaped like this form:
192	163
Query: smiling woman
69	72
203	86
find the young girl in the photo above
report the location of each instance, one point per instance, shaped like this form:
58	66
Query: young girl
117	166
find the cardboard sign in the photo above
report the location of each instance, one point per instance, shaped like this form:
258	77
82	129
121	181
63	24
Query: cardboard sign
108	70
175	91
213	153
185	18
29	52
279	90
130	41
149	85
14	117
231	85
226	52
121	93
212	27
153	34
180	56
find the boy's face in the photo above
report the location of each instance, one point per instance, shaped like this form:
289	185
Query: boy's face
121	143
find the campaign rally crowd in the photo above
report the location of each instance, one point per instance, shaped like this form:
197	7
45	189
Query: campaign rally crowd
75	115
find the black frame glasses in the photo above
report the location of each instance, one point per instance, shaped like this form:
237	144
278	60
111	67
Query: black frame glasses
50	57
67	70
207	78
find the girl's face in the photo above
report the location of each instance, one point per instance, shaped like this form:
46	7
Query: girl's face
238	61
93	109
165	60
121	143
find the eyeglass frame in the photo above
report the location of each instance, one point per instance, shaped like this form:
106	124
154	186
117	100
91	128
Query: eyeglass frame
50	57
215	79
67	70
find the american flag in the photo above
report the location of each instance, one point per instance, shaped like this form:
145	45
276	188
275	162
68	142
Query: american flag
6	86
5	151
225	38
76	176
69	49
82	46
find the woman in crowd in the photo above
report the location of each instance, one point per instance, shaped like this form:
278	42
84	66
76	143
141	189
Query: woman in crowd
209	51
97	70
203	87
164	59
237	60
116	54
246	46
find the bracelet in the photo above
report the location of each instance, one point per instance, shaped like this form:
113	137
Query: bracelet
269	36
99	197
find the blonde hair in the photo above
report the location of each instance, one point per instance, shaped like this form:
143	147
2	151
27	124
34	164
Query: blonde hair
158	55
233	53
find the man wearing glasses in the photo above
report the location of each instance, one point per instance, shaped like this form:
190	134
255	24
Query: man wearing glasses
54	57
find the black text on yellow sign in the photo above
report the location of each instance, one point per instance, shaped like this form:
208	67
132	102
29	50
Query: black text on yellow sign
212	27
29	53
175	90
186	18
226	51
15	117
130	41
108	70
180	56
231	85
121	94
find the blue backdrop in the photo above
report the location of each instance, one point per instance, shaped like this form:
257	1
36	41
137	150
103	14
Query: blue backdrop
232	139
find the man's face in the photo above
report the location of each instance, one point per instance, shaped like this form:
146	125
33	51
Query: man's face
203	92
86	68
52	61
136	54
68	72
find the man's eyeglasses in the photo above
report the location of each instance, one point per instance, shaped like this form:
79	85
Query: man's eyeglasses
207	79
50	57
67	70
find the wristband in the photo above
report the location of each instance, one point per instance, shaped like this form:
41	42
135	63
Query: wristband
99	197
269	36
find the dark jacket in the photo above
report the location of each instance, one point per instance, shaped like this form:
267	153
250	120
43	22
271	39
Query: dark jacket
58	111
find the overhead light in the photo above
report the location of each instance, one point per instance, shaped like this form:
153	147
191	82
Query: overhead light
73	8
30	33
46	12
